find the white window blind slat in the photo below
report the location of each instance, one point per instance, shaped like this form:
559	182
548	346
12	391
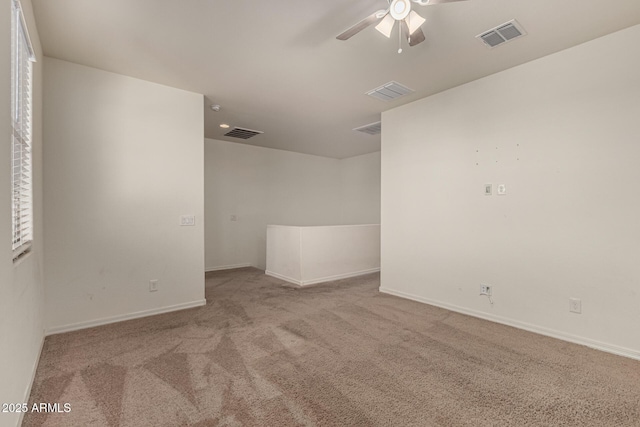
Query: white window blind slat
21	94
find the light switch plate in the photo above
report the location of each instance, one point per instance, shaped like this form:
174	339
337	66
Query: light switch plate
488	189
187	220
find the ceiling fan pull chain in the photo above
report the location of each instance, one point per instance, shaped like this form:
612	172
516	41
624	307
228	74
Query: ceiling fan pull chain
399	38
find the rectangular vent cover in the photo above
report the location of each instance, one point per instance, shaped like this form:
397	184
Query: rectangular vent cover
502	33
242	133
389	91
371	129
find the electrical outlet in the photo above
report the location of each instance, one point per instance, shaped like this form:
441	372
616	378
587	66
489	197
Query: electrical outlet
575	305
153	285
485	290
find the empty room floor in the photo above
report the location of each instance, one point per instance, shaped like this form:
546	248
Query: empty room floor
264	353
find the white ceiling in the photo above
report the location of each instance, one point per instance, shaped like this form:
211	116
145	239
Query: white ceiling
275	66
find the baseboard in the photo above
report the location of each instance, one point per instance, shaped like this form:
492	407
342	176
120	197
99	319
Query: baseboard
123	317
609	348
282	277
322	279
33	377
339	276
227	267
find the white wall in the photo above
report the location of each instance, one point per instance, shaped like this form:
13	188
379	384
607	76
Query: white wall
309	255
360	188
123	161
332	253
562	134
284	253
263	186
21	285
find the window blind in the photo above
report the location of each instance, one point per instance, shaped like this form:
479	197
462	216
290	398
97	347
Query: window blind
21	138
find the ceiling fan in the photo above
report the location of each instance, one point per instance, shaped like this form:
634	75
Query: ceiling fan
399	10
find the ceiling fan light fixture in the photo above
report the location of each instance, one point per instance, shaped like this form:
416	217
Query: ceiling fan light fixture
386	26
414	21
400	9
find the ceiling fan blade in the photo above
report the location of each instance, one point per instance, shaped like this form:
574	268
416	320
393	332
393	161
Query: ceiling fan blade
417	37
374	17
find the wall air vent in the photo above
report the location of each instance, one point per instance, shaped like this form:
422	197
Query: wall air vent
389	91
242	133
371	129
502	34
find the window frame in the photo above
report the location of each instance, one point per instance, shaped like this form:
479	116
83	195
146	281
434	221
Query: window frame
22	58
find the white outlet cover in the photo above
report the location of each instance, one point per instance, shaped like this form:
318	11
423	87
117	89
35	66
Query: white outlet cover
575	305
502	189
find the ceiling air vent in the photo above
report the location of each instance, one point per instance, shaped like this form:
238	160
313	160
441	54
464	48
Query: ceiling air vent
389	91
371	129
502	34
242	133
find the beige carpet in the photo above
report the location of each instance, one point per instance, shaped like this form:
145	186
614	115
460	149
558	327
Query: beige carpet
263	353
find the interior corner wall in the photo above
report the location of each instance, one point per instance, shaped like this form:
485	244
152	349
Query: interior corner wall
260	186
360	189
123	161
21	284
561	133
